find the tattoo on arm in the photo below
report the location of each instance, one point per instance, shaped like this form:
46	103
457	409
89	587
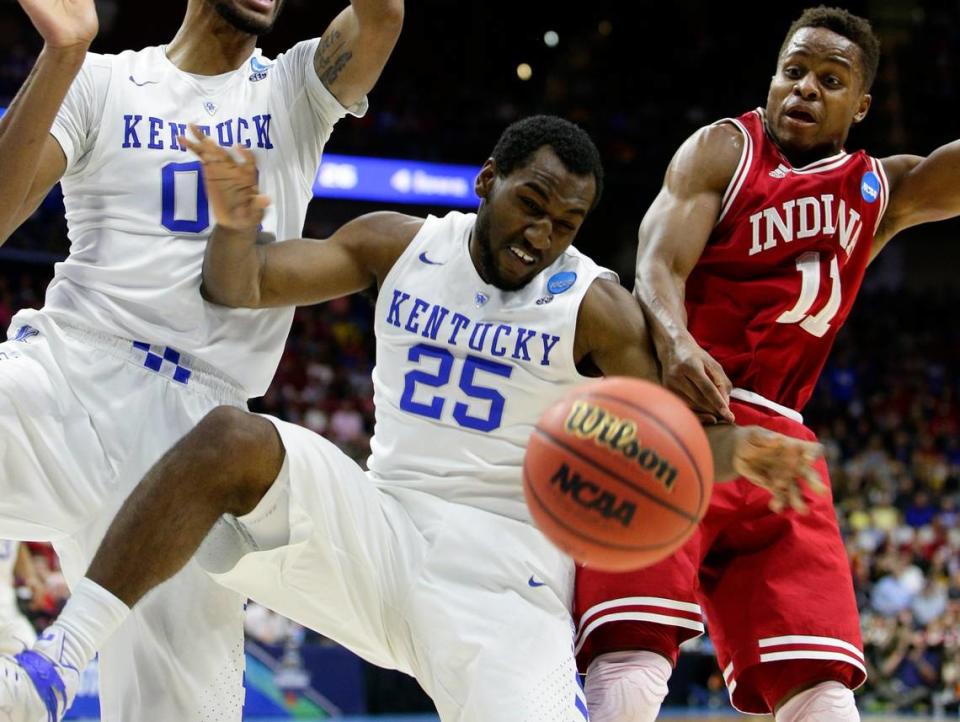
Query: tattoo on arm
331	59
331	72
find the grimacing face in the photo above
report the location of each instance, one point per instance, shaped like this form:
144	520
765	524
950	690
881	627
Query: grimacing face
254	17
528	218
817	94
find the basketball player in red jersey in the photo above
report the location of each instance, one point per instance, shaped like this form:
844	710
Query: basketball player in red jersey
749	261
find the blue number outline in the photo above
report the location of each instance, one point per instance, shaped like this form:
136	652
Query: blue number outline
495	417
412	378
168	216
467	383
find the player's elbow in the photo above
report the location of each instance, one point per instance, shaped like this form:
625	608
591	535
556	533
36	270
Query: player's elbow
390	16
382	21
231	297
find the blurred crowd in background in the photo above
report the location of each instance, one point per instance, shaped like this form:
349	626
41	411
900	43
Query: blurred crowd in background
888	405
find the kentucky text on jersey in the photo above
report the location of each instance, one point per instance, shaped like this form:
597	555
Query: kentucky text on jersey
805	218
437	323
158	134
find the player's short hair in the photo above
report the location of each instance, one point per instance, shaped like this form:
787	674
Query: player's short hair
850	26
569	141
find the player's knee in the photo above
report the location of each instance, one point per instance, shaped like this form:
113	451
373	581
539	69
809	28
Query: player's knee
627	686
249	456
825	702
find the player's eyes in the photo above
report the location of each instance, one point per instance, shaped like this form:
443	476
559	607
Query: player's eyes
531	206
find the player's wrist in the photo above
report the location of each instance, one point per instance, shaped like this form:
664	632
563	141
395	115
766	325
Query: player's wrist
235	232
72	54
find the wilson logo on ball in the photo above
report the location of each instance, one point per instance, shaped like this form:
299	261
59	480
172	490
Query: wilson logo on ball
589	421
589	495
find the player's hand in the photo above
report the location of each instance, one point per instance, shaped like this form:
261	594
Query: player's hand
780	464
63	24
697	378
38	594
231	183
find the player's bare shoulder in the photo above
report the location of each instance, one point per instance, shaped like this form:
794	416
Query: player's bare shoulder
383	236
609	315
709	158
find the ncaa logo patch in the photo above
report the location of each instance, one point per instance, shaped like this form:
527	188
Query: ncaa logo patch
560	282
259	69
481	299
870	187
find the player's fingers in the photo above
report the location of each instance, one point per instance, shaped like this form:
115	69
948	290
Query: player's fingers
813	481
247	155
795	498
262	201
812	450
710	395
688	392
717	375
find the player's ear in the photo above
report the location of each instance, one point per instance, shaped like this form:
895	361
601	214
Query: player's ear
484	181
863	108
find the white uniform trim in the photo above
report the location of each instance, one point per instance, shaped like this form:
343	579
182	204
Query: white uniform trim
754	398
743	169
798	639
821	166
813	654
729	680
663	619
641	601
884	191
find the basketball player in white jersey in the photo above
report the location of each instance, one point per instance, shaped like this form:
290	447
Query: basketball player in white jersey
428	563
16	632
126	355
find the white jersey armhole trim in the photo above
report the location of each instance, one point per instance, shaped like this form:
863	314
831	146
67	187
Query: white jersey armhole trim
596	272
417	240
884	191
743	169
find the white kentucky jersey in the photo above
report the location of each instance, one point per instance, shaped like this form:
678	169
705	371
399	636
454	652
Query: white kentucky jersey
137	212
464	369
8	594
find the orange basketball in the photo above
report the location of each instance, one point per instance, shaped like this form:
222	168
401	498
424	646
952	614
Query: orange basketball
618	473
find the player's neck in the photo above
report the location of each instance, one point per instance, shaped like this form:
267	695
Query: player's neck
206	44
802	158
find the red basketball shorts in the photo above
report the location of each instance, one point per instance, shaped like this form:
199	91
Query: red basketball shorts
775	589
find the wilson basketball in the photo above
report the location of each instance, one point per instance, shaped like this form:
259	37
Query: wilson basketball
618	473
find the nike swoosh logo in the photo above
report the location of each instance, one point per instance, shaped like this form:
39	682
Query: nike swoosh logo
534	583
423	257
145	82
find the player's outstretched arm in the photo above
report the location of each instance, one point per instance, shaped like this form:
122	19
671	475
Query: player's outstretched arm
922	190
238	272
672	237
31	161
612	335
355	47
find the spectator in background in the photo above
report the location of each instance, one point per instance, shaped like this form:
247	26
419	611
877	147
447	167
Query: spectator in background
911	671
931	603
16	632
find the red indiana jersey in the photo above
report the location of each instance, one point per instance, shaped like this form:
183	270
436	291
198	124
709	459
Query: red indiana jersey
784	263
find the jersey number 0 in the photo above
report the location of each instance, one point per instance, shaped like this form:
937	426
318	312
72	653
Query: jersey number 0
183	209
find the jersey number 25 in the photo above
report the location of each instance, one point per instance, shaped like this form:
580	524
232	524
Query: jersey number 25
472	365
